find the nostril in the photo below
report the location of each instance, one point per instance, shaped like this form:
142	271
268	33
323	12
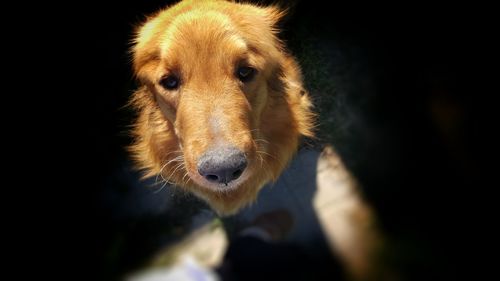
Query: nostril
237	173
213	178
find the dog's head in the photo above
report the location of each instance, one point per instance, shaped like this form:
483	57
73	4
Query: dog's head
221	107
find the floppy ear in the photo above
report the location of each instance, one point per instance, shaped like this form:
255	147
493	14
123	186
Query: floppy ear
298	97
145	62
144	52
274	15
142	152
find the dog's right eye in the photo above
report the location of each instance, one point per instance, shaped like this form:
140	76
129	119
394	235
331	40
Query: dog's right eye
170	82
245	73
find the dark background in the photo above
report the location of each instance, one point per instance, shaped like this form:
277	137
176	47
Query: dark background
426	173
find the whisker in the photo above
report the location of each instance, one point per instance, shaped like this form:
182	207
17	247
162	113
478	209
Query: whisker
161	188
261	140
261	158
165	181
175	168
159	173
264	163
178	158
186	174
272	156
174	151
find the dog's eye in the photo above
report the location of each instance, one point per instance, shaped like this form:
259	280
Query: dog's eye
170	82
245	73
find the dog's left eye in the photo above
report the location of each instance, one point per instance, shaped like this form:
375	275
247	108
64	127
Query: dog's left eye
170	82
245	73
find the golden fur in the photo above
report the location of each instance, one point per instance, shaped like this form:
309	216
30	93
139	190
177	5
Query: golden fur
203	42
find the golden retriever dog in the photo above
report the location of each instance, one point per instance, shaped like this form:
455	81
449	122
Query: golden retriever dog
221	106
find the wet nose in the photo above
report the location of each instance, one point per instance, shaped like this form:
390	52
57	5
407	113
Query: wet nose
222	165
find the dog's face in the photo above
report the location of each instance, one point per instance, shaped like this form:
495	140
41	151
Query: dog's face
222	106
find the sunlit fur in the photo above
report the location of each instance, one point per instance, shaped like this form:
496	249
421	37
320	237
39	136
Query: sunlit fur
203	43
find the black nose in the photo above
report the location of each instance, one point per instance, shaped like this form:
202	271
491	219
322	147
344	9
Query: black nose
222	165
